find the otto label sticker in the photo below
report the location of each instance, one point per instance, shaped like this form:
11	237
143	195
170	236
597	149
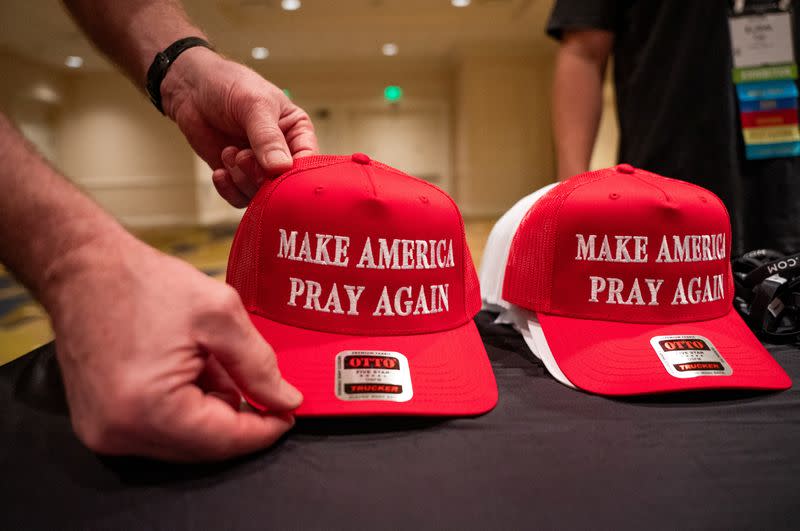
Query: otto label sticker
373	375
690	356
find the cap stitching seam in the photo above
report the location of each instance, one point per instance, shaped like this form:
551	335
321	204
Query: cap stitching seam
568	315
392	331
701	189
464	247
653	185
370	183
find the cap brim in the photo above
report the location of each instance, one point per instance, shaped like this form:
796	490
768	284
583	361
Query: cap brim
612	358
450	371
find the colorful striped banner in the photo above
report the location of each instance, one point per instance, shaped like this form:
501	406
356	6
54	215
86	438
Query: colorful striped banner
771	135
769	118
771	151
764	73
768	105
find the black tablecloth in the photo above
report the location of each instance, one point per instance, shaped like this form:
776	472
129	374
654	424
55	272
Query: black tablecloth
547	457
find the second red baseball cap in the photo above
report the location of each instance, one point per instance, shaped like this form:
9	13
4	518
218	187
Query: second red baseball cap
627	279
360	278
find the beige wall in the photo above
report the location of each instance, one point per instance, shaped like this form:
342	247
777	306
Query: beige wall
478	125
504	147
132	160
30	95
345	101
347	106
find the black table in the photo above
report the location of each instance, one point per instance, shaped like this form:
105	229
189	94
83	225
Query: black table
547	457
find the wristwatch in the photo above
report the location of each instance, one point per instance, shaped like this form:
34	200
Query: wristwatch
162	62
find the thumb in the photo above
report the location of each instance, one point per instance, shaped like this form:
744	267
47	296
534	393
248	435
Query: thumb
267	139
250	361
209	429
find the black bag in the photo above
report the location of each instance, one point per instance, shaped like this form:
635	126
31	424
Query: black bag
768	294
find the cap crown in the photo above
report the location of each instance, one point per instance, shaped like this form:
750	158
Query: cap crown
495	254
622	244
351	246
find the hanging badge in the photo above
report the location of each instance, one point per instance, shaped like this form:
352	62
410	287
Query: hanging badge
764	71
761	39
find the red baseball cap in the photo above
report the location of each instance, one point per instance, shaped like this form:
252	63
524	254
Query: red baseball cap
628	278
360	278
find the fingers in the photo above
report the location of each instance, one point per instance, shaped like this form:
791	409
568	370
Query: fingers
247	164
188	425
244	182
216	382
247	358
244	170
267	139
299	133
203	427
223	182
241	178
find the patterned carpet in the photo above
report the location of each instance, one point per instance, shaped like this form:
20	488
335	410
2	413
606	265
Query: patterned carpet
24	324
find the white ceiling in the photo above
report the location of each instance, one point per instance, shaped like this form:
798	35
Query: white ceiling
327	30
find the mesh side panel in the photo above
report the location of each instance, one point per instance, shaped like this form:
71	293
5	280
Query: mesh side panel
472	290
386	167
529	271
316	161
242	263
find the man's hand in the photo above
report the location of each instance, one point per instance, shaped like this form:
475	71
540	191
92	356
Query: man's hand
221	104
154	354
216	103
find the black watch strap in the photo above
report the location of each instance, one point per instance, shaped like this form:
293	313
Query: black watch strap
162	62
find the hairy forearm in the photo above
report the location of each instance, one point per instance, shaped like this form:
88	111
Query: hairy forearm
131	32
44	220
577	109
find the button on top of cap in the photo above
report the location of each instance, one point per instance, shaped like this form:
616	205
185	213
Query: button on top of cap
360	158
625	168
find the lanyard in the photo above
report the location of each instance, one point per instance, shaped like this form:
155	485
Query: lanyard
764	73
